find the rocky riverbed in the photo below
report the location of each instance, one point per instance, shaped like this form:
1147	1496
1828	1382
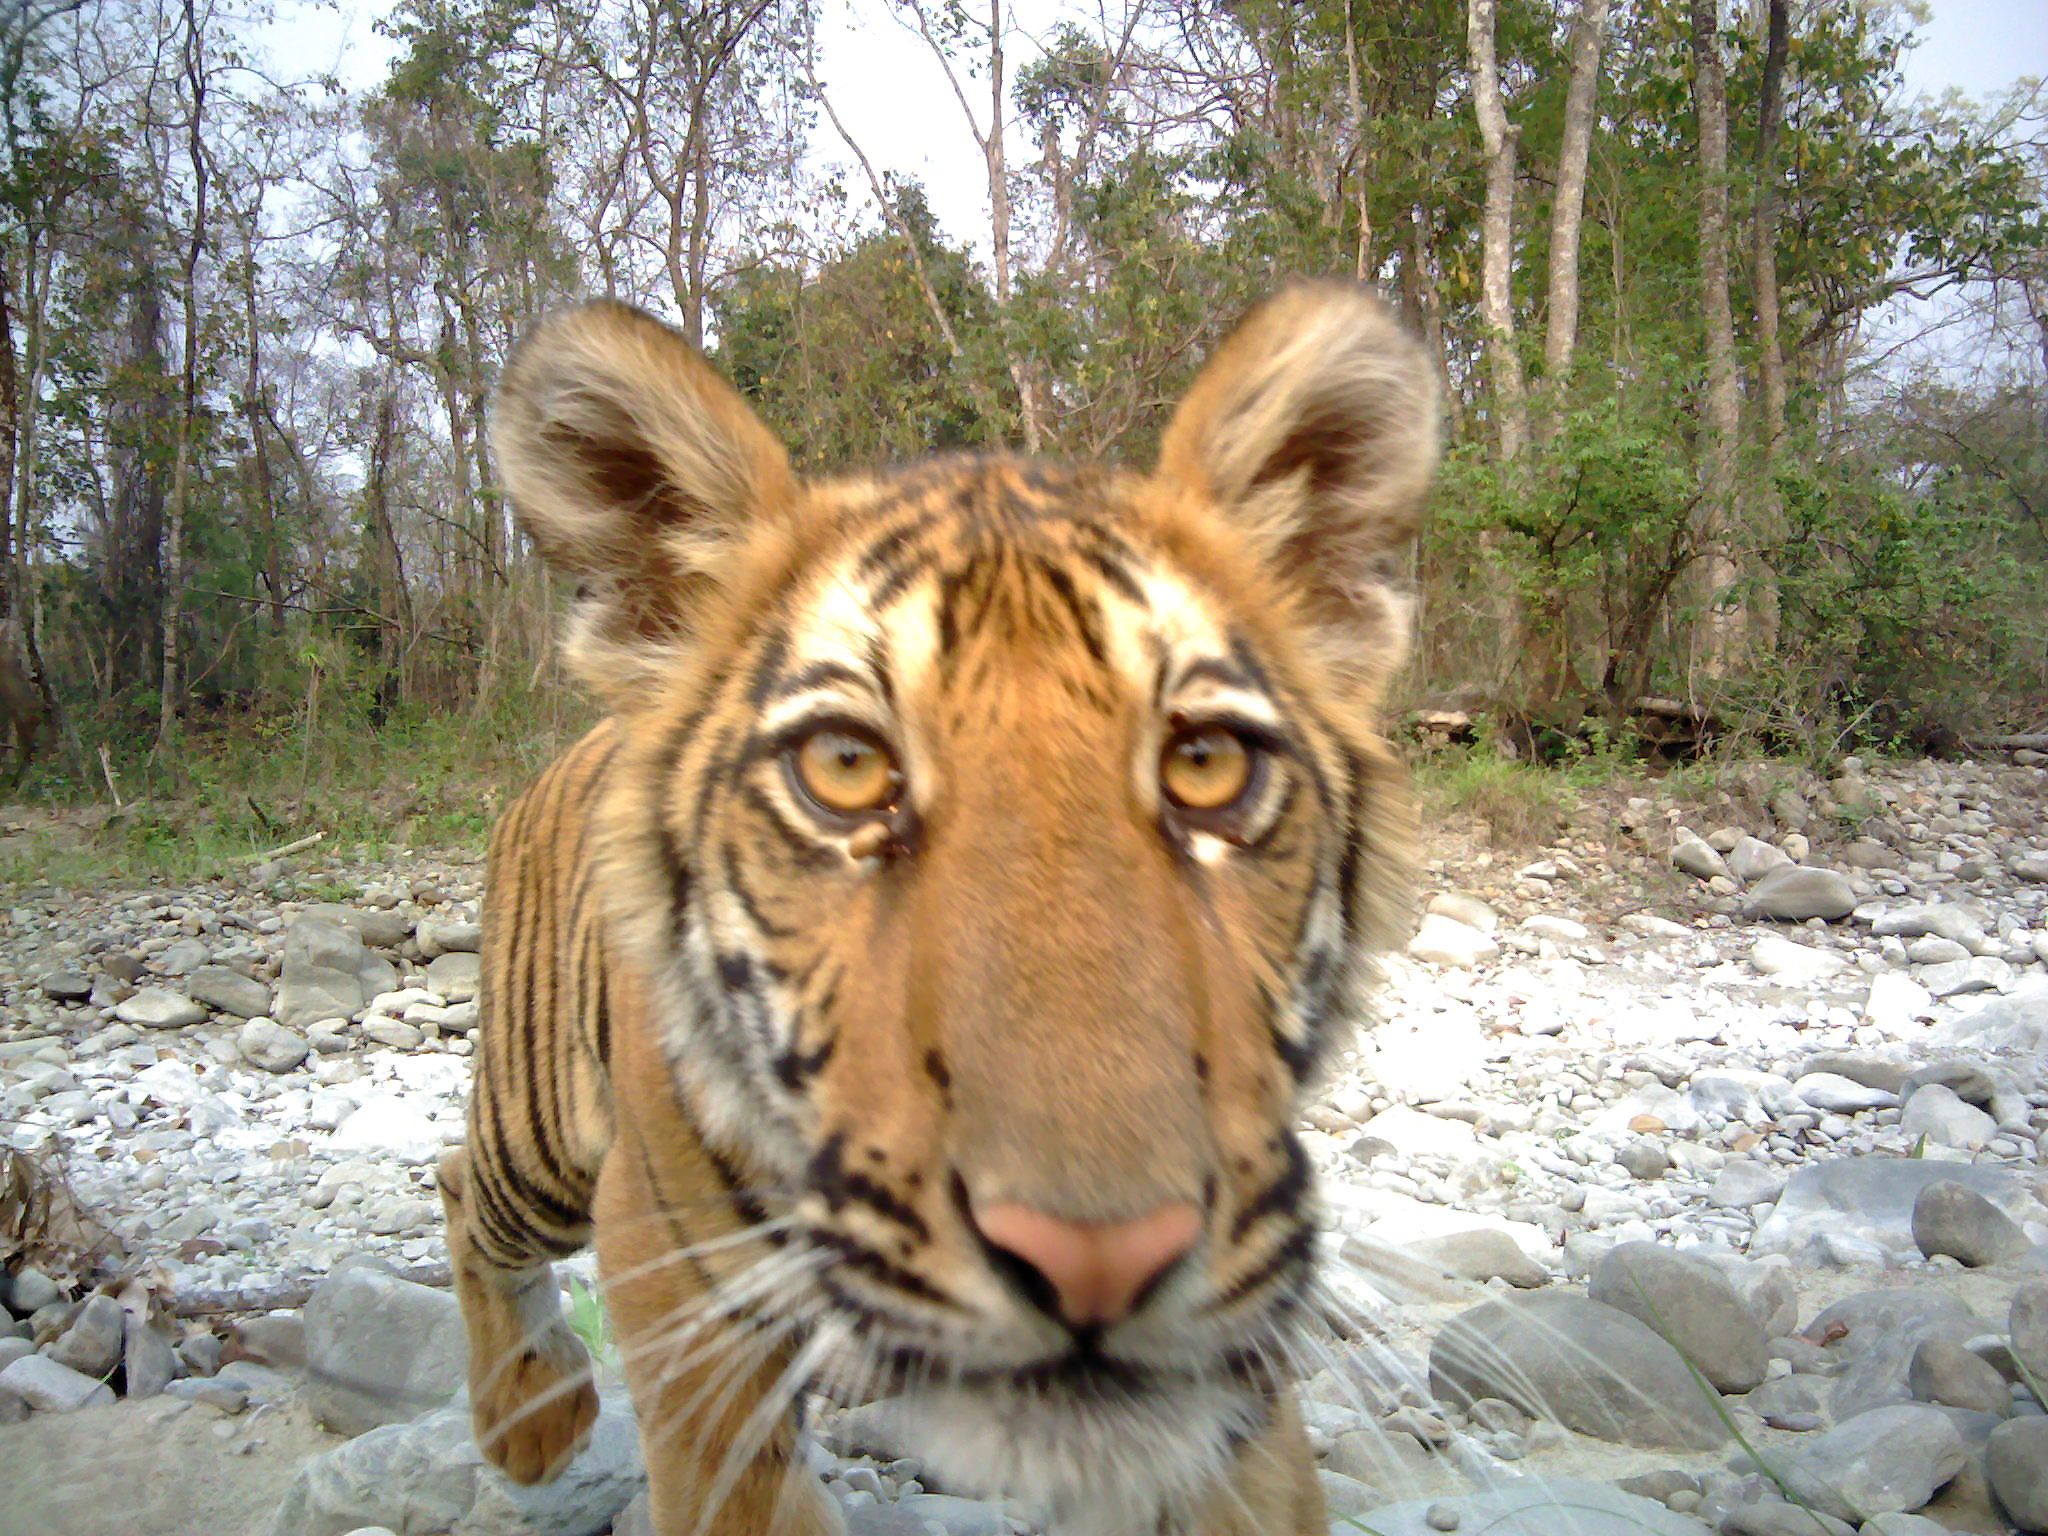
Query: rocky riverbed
1692	1180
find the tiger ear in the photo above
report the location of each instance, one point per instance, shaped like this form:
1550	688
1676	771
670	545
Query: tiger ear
635	469
1313	429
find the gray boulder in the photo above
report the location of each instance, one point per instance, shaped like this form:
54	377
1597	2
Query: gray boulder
1941	1115
2015	1023
1531	1506
380	1349
1889	1460
228	991
1692	1304
159	1008
1579	1363
1752	858
1953	1219
92	1344
455	975
327	974
49	1387
1947	1374
1869	1200
2016	1462
380	927
2027	1324
1793	893
427	1476
269	1046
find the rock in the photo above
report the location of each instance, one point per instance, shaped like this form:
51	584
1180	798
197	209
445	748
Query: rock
1985	973
1765	1287
159	1008
380	1349
1692	1304
1752	858
1895	1000
48	1387
2016	1462
382	927
327	973
268	1045
1870	1200
1903	1525
228	991
1416	1134
392	1123
2027	1324
1937	1113
1532	1506
92	1344
1693	856
455	975
428	1476
1741	1185
1469	910
29	1291
1953	1219
1480	1254
1891	1459
1935	918
2032	866
1794	893
148	1362
67	986
1774	1517
1948	1374
1578	1363
2017	1022
438	936
213	1391
1794	963
1444	941
392	1032
1829	1091
278	1338
1644	1160
1379	1458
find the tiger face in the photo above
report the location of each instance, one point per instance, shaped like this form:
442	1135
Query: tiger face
1008	843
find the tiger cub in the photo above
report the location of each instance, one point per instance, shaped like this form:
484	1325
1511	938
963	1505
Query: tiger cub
911	985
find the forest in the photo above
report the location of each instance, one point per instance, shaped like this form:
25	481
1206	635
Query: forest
1745	346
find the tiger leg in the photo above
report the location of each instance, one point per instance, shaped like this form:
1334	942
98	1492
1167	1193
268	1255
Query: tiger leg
532	1401
1273	1489
717	1436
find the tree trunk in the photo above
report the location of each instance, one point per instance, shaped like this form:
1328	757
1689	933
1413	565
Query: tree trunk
1770	363
1496	304
1724	407
188	391
1568	210
1021	372
262	490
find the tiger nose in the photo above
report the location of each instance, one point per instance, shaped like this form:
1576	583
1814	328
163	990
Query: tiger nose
1096	1271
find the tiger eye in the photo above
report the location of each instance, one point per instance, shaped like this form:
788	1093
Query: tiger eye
1205	769
847	772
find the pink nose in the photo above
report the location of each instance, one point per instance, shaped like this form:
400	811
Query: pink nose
1096	1270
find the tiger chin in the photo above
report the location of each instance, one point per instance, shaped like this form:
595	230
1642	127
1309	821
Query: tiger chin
910	986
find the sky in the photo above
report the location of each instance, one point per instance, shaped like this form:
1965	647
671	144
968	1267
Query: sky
895	101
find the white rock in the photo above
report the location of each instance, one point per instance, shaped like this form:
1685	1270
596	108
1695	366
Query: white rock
1444	941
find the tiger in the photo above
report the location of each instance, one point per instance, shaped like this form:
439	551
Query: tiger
910	987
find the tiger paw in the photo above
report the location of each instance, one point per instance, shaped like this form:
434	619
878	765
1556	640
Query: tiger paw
535	1409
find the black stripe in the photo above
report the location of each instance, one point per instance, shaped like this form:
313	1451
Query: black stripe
1295	1252
750	904
861	1259
1279	1197
1087	618
794	1068
807	854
